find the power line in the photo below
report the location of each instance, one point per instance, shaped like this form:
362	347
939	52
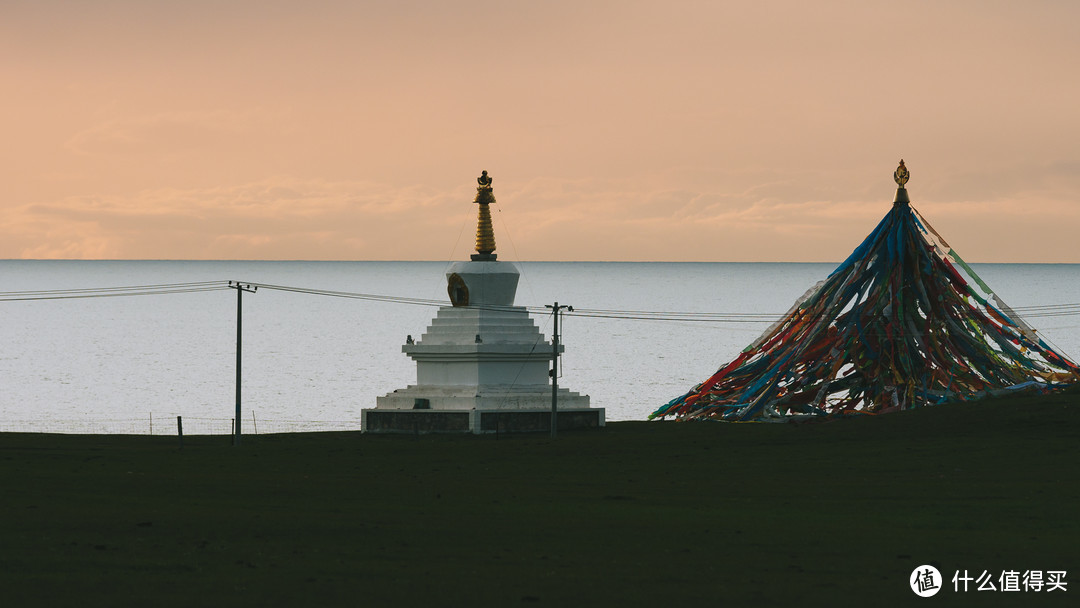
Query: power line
1027	312
109	289
351	295
699	317
111	292
594	313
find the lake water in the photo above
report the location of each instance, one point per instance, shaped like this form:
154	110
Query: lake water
133	364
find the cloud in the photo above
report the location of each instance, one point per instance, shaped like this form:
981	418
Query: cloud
273	219
172	133
736	216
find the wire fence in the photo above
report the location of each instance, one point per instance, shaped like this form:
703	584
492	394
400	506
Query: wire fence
154	425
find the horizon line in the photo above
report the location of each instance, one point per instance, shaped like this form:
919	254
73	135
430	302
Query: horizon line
313	260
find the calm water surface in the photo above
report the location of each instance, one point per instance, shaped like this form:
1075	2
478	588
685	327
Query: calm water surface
312	362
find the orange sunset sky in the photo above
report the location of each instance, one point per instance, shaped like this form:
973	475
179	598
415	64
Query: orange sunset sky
659	130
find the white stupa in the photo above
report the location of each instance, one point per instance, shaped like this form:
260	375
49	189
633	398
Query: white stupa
482	366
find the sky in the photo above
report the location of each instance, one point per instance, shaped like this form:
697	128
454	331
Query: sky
629	130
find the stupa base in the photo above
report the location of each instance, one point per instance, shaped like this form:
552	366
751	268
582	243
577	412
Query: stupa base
420	409
422	422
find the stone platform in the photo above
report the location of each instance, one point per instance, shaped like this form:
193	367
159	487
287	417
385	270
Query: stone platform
477	421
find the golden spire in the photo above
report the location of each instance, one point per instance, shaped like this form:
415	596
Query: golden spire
485	234
901	174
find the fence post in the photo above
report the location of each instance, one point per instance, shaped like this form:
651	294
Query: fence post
180	430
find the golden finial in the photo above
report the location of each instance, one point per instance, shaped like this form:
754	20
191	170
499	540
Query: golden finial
901	174
485	234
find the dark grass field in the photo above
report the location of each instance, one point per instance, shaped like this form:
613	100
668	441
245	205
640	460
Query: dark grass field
660	514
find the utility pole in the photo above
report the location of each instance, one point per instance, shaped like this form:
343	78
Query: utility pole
240	289
555	310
